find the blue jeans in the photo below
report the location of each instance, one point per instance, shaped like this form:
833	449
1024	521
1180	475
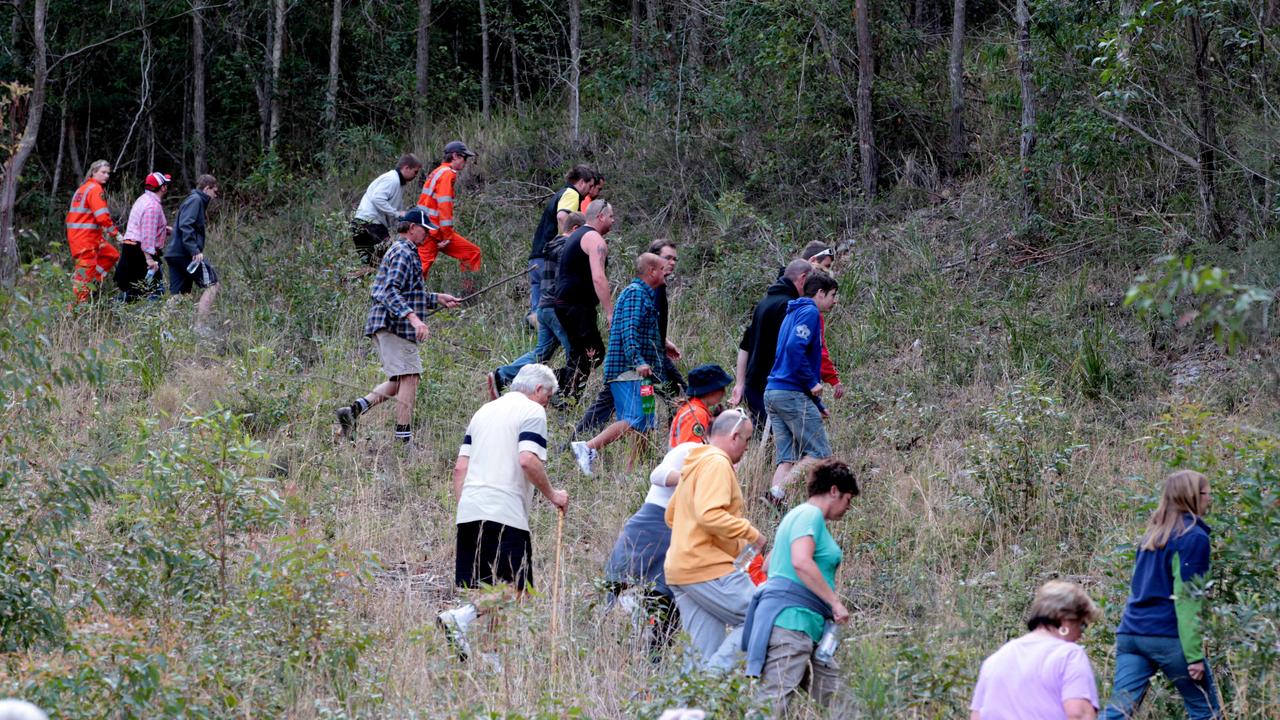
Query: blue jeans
1137	659
535	283
629	405
550	337
797	426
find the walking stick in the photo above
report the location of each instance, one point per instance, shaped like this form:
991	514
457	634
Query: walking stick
484	289
555	590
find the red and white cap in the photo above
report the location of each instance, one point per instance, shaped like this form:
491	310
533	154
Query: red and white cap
156	180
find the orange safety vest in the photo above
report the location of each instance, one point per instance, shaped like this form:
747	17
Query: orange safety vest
88	218
691	423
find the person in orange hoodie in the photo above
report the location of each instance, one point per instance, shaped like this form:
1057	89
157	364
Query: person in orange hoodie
708	533
88	228
437	199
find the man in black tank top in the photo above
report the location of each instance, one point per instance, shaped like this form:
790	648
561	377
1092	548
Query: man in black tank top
581	287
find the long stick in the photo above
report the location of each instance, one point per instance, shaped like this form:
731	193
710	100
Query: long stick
485	289
555	591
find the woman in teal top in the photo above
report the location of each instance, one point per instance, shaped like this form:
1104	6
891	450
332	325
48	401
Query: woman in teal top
806	553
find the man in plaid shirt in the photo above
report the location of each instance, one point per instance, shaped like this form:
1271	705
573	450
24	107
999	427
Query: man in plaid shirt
144	238
400	301
634	356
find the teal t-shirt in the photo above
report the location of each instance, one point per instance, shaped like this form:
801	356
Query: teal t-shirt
804	521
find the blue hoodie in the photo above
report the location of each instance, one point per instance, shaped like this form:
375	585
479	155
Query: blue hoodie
1159	602
797	364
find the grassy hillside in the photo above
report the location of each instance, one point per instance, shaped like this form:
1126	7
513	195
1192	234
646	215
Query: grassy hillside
184	537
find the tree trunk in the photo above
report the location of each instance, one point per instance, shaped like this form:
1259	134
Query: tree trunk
515	60
866	78
1206	132
955	72
198	143
421	67
335	46
485	92
696	58
26	144
1027	143
575	59
277	58
637	25
62	143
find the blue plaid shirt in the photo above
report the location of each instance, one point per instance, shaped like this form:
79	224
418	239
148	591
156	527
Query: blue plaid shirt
634	338
398	290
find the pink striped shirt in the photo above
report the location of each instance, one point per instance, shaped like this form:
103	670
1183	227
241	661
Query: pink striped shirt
147	223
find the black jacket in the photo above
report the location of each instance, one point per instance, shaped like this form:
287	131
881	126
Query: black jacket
187	240
761	338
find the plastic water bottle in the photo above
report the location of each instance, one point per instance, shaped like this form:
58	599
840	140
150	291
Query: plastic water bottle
195	265
151	275
743	561
827	644
647	401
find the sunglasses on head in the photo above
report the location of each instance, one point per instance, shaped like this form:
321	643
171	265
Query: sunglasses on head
825	253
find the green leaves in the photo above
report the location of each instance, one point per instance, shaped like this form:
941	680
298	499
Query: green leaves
1201	296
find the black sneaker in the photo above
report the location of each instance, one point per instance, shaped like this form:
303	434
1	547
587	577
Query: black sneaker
346	422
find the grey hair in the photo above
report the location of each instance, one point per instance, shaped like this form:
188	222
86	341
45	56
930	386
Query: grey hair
12	709
533	375
1058	600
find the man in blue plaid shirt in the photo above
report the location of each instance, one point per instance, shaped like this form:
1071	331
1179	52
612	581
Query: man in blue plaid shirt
634	355
400	301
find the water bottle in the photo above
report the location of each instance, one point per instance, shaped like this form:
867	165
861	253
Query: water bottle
827	644
151	275
647	401
191	269
743	561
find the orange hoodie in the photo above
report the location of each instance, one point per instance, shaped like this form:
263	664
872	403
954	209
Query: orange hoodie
705	515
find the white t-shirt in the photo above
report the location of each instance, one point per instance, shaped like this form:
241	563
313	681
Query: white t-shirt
660	494
495	487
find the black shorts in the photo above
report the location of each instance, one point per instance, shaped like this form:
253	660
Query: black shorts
181	281
371	240
490	552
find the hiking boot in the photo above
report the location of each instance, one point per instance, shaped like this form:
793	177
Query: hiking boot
454	623
494	384
584	455
346	422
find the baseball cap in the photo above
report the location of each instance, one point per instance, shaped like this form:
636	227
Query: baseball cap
418	216
156	180
457	146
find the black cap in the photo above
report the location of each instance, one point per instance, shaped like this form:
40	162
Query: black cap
418	216
457	146
706	379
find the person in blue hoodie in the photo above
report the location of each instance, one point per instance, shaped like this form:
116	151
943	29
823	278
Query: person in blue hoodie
1162	628
793	394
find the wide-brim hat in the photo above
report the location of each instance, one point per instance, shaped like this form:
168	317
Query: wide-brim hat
706	379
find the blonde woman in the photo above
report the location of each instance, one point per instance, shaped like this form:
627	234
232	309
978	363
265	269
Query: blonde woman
1043	675
89	227
1161	628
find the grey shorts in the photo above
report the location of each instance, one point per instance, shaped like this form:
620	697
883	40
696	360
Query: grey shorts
797	426
399	356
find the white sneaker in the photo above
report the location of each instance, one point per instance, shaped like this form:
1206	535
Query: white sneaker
454	623
584	455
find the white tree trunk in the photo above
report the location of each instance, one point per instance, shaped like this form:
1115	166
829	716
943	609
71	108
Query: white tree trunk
26	144
331	90
955	73
277	58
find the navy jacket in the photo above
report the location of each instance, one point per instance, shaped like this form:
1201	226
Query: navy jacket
1159	602
187	240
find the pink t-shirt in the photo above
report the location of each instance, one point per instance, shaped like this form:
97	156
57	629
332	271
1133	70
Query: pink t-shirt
1030	677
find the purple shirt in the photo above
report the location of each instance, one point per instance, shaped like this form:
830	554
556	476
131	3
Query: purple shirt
1030	677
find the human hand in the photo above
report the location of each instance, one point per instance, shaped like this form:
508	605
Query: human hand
442	244
447	300
152	264
673	352
838	390
1196	671
560	499
608	320
761	543
420	329
816	390
735	398
644	371
839	613
198	258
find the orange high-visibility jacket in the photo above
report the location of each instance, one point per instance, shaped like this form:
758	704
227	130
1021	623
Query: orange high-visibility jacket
88	217
437	198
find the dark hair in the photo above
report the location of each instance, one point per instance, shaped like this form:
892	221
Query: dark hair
579	172
206	181
796	268
408	160
819	281
832	473
403	226
813	248
656	246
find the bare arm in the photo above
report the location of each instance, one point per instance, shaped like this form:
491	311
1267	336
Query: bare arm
597	251
460	474
536	473
740	379
807	570
1079	709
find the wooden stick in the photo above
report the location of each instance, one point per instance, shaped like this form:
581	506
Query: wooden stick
484	289
555	590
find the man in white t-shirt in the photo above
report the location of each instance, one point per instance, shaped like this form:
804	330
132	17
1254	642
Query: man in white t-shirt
499	465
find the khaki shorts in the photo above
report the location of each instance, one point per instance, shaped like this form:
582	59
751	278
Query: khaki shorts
399	356
790	666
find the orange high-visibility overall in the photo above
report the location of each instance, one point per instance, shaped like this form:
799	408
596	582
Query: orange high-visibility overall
437	198
88	227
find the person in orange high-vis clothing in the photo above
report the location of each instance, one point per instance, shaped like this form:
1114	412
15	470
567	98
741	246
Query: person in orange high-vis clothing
437	200
88	227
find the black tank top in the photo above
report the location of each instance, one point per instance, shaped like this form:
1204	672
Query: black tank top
573	283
